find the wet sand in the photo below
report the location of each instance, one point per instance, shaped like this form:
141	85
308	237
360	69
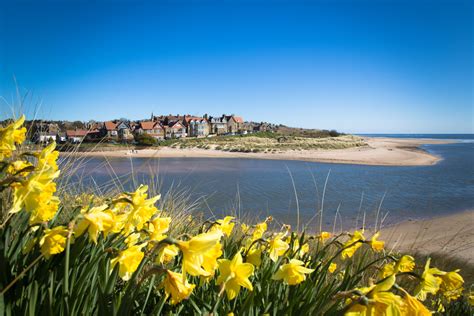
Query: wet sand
451	236
379	151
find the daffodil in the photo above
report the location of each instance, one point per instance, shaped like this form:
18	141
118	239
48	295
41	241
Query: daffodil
277	246
136	209
194	252
293	272
20	167
323	236
167	253
10	136
430	283
299	251
452	285
158	227
176	285
128	261
47	159
133	239
235	274
53	241
351	246
404	264
225	225
412	306
36	193
260	229
332	267
95	220
470	298
209	263
254	255
376	244
377	303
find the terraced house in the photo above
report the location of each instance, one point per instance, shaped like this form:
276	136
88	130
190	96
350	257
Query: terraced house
218	125
196	126
153	129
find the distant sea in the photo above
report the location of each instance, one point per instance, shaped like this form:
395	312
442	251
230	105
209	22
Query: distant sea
432	136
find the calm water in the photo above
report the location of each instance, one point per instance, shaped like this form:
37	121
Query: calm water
261	187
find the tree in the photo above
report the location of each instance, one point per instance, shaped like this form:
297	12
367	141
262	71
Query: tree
145	140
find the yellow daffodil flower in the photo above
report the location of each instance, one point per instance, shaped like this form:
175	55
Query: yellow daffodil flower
323	236
47	159
11	135
167	253
158	227
293	272
404	264
224	225
53	241
35	194
332	267
177	286
299	251
194	251
209	263
412	306
470	298
235	274
277	246
142	209
430	283
351	246
132	239
452	285
380	303
260	229
96	220
19	165
254	256
376	245
128	261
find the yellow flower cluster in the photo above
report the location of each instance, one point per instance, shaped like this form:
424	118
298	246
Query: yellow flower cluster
378	299
10	136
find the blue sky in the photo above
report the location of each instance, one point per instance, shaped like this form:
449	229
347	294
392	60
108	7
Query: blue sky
355	66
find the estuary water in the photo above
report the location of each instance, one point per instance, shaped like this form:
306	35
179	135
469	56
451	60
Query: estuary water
257	188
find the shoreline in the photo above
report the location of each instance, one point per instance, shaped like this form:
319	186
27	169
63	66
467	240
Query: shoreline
448	235
378	152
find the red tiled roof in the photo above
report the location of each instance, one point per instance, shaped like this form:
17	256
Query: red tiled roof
176	125
238	119
147	125
110	126
188	118
76	133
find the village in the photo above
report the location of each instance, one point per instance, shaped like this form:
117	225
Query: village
156	129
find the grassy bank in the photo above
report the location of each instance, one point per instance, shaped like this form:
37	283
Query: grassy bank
270	142
122	253
262	142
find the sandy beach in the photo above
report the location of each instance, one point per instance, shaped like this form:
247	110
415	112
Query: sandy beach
379	151
451	236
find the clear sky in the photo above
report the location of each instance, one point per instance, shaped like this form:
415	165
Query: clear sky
355	66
